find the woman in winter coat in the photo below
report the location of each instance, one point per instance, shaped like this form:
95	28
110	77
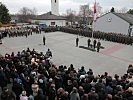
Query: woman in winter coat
74	95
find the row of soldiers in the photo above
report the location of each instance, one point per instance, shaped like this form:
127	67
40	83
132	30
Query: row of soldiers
25	31
17	31
113	37
50	29
20	31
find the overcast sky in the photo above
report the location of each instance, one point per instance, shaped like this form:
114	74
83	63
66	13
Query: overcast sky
44	6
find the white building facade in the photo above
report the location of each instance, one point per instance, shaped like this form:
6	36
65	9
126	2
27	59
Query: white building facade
55	7
115	22
52	22
51	18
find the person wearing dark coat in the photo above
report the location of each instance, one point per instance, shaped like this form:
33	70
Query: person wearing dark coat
44	39
100	85
17	88
69	86
7	95
94	44
77	41
3	78
40	95
81	92
64	96
0	38
0	41
98	46
58	81
93	95
52	92
49	53
88	41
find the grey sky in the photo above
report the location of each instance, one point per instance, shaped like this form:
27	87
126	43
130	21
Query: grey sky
44	6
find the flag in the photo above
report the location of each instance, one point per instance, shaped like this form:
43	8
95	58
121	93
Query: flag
95	11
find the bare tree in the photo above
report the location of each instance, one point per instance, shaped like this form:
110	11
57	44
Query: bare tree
34	11
99	9
84	13
122	10
106	11
70	15
25	14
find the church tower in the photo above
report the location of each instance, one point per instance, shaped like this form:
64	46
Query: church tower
55	7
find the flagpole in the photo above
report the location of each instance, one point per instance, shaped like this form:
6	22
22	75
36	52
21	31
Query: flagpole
92	32
94	19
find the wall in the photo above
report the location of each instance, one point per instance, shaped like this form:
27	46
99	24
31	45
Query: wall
111	23
48	22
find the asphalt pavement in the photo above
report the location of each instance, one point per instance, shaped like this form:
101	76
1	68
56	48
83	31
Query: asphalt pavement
114	58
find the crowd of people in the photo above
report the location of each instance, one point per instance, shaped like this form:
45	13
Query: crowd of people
34	76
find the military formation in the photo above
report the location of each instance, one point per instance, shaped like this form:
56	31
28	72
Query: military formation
26	31
113	37
19	31
50	29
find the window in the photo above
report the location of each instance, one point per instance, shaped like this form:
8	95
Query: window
109	19
52	23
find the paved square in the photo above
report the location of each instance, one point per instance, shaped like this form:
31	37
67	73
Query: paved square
115	58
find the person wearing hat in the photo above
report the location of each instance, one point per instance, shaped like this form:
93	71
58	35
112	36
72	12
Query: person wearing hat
7	95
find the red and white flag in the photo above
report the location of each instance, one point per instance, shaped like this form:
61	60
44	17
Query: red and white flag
95	11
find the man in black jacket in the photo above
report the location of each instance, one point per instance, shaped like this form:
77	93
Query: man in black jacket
94	44
98	46
77	41
44	39
7	95
88	41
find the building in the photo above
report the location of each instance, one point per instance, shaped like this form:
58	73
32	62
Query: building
55	7
115	22
51	18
